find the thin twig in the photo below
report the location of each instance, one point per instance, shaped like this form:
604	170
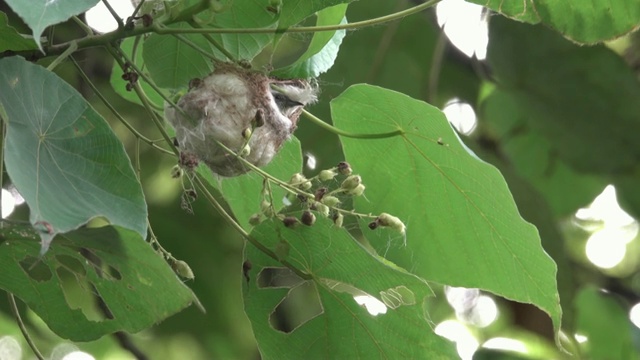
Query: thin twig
436	67
114	14
115	112
23	328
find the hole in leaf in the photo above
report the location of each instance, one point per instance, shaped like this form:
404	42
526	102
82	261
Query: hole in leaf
301	304
275	277
36	269
398	296
79	294
101	268
373	306
71	264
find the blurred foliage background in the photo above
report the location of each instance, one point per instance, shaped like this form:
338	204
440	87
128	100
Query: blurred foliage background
415	57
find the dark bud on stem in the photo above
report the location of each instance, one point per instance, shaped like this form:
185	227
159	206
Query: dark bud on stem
374	224
308	218
289	221
344	168
320	192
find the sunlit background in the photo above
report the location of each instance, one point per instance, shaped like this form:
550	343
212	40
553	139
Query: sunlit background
610	229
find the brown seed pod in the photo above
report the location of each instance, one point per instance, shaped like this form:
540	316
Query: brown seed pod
230	100
308	218
289	221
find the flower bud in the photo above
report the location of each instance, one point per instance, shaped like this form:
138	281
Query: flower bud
245	151
308	218
357	191
254	219
391	221
176	172
344	168
298	180
319	194
326	175
322	209
330	201
351	182
338	219
289	221
267	209
246	133
182	268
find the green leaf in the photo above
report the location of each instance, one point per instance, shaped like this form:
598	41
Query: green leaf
42	13
521	10
137	286
62	156
585	104
119	84
172	63
463	228
322	50
11	38
606	325
243	193
337	268
244	14
294	11
534	158
589	22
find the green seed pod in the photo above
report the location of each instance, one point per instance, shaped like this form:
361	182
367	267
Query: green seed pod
308	218
300	181
357	191
330	201
255	219
246	133
351	182
391	221
182	269
338	219
267	209
322	209
326	175
245	151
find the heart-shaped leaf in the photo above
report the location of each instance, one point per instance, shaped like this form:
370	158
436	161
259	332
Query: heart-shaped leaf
463	228
62	155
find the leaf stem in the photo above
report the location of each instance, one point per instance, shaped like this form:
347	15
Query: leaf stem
436	67
187	14
84	26
23	328
340	132
214	42
70	50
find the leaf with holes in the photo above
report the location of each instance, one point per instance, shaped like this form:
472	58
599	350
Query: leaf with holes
326	319
462	225
137	287
40	14
62	155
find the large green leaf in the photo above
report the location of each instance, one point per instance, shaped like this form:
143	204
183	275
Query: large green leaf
338	268
243	193
39	14
584	102
135	283
522	10
583	21
62	156
172	63
534	158
294	11
322	50
590	21
10	39
606	325
463	228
